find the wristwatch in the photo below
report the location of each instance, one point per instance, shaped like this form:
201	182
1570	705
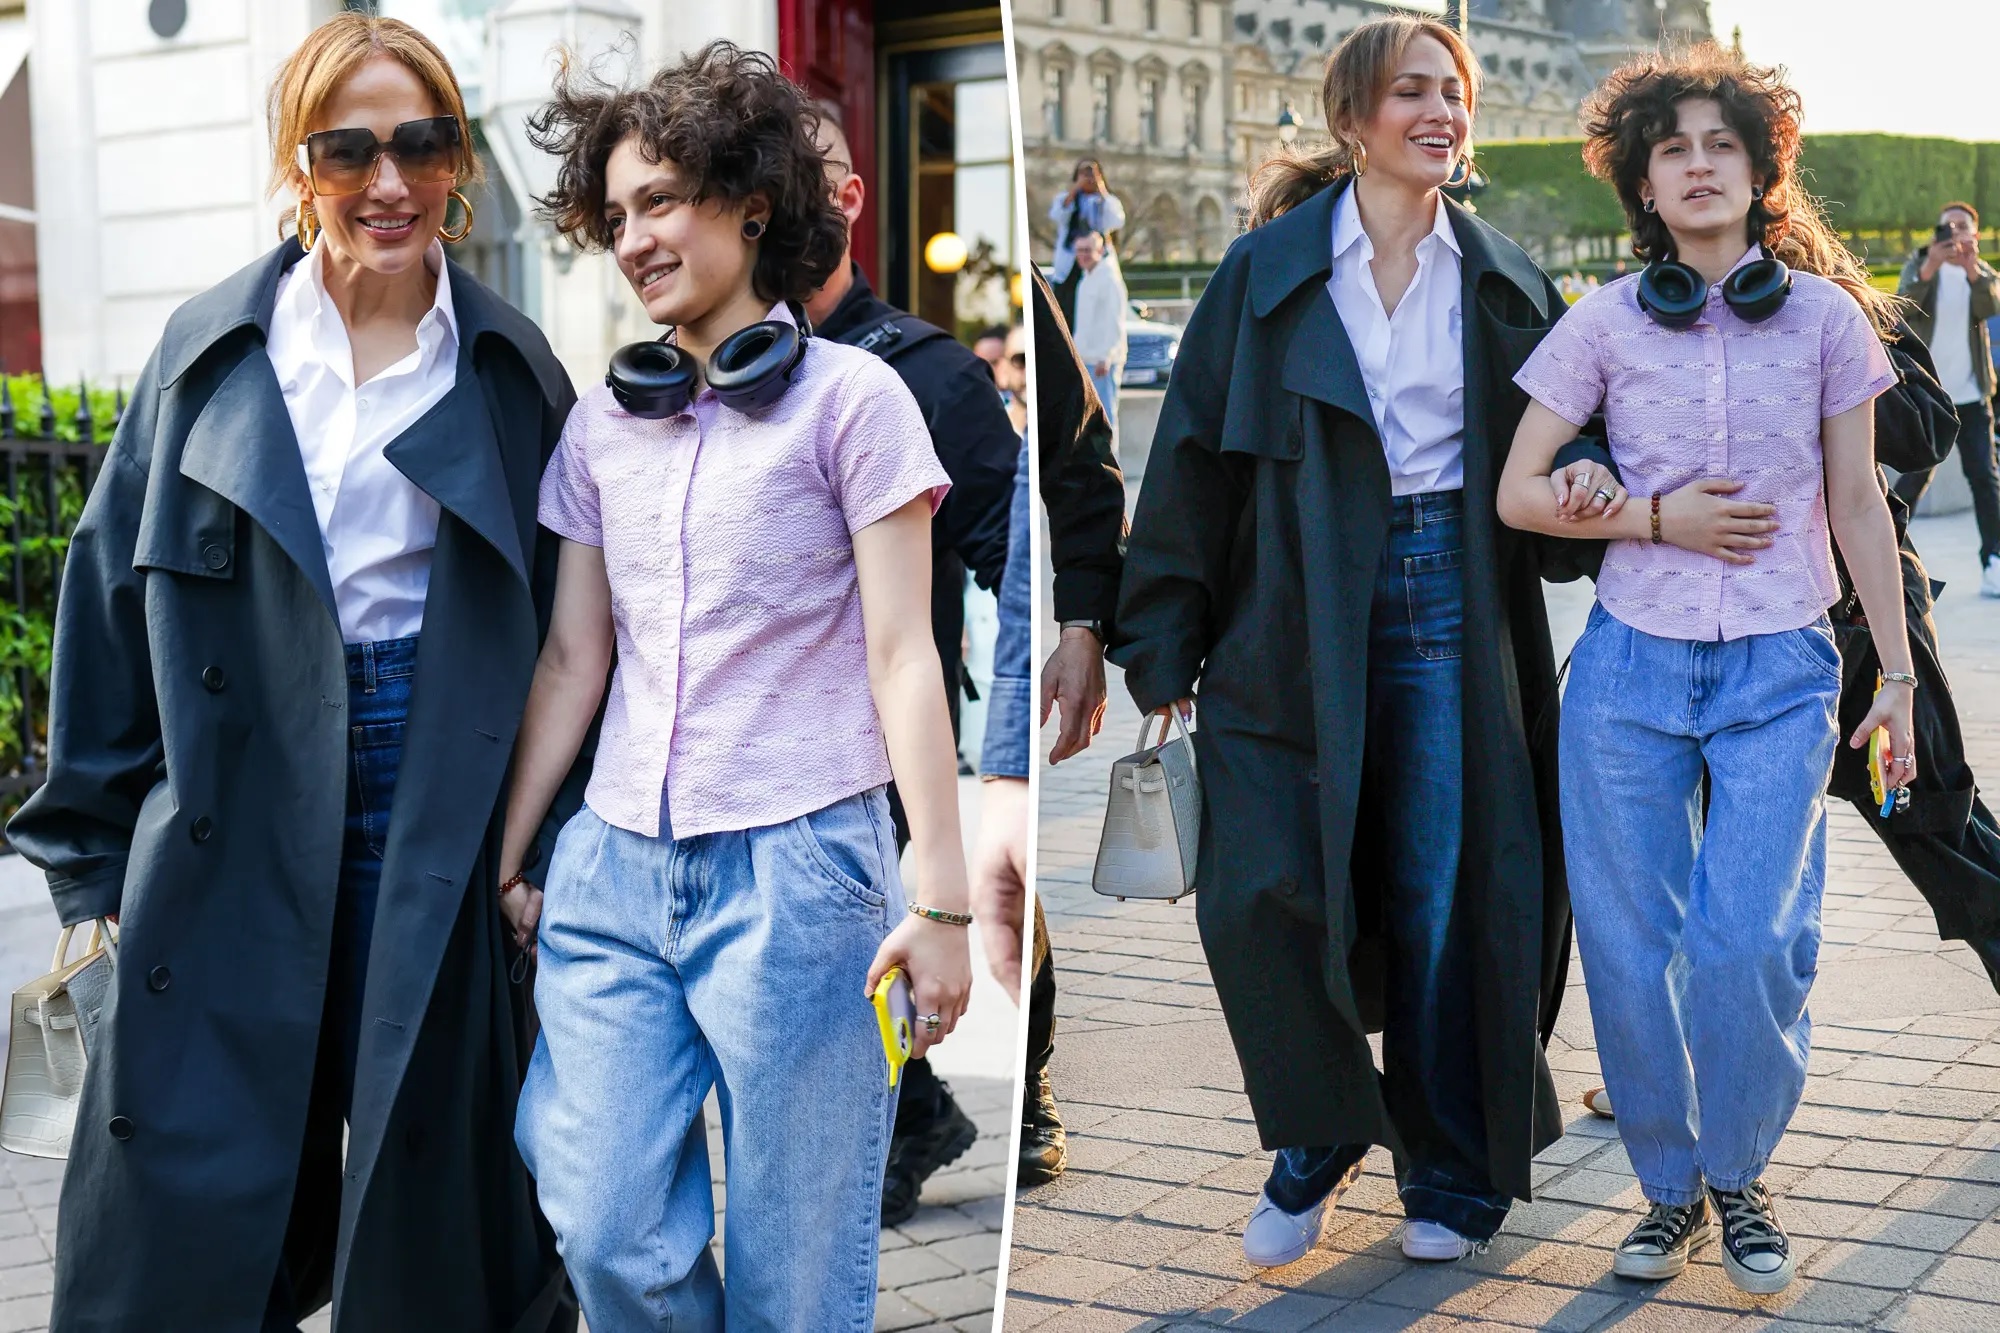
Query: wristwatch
1096	627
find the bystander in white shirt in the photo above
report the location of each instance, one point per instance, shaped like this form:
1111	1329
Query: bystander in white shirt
1951	336
1413	362
1100	317
377	528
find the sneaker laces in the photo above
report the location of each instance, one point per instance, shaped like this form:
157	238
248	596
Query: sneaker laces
1747	1214
1662	1221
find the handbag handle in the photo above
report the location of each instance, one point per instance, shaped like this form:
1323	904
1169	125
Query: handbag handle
101	937
1167	728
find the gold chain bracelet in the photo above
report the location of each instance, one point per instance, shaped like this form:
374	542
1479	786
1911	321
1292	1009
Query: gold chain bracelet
939	914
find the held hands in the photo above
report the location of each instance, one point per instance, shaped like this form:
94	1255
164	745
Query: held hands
1697	517
522	908
938	962
1894	708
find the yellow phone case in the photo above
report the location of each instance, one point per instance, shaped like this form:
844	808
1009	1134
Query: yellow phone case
894	1015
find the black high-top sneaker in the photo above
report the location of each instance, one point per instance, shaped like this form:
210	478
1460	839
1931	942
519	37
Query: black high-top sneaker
1756	1252
931	1132
1044	1141
1659	1246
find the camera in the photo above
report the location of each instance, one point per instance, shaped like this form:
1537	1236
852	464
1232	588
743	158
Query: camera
1942	231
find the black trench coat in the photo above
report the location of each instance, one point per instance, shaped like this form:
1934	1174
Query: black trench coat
197	786
1251	567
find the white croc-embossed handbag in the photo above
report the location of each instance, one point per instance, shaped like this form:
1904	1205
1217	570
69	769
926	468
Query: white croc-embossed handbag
1152	823
54	1029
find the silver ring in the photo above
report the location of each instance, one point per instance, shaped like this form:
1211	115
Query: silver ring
1906	760
1602	494
932	1022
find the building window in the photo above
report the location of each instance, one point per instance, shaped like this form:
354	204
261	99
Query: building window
1152	15
1197	94
1149	112
1055	9
1194	18
1100	104
1053	84
1104	12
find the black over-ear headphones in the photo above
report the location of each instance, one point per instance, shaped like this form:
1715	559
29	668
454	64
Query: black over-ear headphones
750	371
1674	294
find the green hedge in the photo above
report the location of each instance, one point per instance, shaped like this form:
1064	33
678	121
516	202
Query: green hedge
27	631
1880	184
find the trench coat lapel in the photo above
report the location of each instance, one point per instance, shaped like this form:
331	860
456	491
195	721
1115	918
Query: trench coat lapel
453	455
243	448
1319	359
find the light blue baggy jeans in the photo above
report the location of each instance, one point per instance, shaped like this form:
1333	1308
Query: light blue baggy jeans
1700	934
735	961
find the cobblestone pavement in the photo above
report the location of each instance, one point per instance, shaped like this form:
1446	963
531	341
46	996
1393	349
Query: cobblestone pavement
940	1270
1889	1179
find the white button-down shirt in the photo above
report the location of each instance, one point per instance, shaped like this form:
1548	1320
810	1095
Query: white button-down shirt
1413	362
377	528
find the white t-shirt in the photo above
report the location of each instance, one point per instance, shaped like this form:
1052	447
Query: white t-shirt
1951	339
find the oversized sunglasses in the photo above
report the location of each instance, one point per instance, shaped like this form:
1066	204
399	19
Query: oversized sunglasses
345	161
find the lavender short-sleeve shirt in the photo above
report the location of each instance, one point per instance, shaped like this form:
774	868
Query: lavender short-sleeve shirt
742	682
1724	398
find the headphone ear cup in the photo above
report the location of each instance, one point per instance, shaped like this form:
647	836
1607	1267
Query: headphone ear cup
1758	289
752	367
653	380
1672	293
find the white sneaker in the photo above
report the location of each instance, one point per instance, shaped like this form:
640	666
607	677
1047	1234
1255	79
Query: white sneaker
1434	1242
1989	581
1273	1237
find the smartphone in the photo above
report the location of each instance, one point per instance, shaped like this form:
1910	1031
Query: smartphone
1942	231
896	1015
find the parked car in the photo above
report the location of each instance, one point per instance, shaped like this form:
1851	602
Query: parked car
1150	349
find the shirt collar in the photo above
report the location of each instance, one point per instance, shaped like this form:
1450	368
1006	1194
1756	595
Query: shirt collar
1750	256
1347	230
306	301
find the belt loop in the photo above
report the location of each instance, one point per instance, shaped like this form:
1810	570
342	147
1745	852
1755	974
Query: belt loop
368	667
1417	513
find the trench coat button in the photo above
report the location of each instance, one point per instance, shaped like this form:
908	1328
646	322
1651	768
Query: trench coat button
214	679
214	557
120	1127
203	827
159	979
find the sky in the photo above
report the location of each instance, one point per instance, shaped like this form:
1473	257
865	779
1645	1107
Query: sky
1901	66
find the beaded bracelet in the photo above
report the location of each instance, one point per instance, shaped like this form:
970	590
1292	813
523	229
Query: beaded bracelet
939	914
1656	518
520	878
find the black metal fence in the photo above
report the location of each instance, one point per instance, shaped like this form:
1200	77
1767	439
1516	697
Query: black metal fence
48	462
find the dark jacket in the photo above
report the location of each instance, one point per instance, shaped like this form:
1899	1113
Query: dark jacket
968	423
1082	488
1985	304
197	786
1250	570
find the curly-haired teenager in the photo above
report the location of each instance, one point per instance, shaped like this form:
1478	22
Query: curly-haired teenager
717	913
1710	648
1316	544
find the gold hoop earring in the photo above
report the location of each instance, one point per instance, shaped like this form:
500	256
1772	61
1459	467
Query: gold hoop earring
464	228
305	224
1360	164
1456	181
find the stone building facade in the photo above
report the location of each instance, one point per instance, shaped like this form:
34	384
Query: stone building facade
1142	86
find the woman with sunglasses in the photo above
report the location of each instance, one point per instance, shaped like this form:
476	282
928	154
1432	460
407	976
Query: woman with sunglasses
297	627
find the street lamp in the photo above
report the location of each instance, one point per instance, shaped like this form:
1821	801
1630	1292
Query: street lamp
1288	125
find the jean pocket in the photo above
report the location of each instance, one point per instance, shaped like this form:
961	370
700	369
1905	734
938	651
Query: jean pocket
1435	592
376	753
840	840
1814	646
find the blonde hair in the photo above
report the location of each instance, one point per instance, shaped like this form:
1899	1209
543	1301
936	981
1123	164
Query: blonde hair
327	58
1358	75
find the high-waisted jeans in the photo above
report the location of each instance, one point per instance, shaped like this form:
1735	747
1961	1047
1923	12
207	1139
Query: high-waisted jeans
1412	768
734	961
1699	934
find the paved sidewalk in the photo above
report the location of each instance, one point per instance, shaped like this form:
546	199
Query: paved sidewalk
1889	1179
939	1272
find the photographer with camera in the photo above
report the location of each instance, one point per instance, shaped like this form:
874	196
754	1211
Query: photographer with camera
1955	293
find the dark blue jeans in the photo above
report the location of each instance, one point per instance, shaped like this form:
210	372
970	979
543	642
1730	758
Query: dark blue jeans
379	677
1412	796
